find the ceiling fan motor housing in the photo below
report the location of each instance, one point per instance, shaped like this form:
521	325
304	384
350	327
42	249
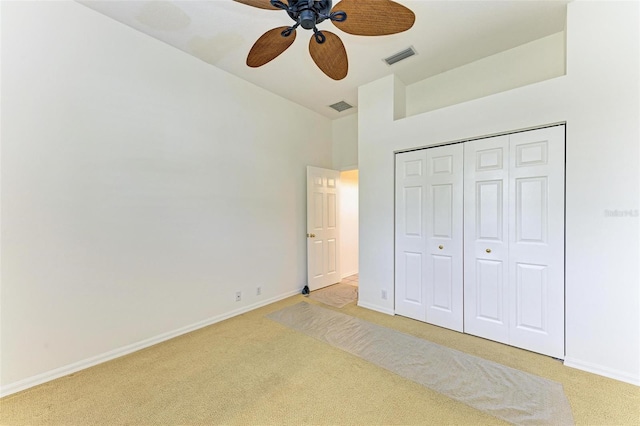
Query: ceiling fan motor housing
308	13
307	19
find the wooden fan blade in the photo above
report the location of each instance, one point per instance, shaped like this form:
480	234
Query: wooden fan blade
374	17
261	4
269	46
330	56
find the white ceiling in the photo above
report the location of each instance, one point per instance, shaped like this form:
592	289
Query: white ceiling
446	35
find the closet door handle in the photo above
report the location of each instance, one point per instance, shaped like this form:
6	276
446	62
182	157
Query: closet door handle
440	246
488	250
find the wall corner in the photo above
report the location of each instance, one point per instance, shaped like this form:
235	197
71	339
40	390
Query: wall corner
399	99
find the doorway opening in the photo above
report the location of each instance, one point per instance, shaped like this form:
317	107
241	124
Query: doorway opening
349	226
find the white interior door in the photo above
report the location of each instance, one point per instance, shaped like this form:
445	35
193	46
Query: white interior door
536	240
486	245
323	257
410	285
444	236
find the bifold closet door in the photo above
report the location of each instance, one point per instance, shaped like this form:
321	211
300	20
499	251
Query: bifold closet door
444	236
486	245
410	285
429	235
514	240
536	240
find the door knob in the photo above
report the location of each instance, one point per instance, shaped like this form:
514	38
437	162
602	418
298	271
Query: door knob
488	250
311	235
440	246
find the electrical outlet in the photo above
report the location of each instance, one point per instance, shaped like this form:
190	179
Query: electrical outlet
258	291
384	294
238	296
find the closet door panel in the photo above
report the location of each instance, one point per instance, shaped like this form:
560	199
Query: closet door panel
536	246
444	236
486	245
410	275
489	288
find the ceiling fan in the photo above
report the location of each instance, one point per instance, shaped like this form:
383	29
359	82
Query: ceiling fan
357	17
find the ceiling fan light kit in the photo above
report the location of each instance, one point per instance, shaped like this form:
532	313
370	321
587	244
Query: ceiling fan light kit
357	17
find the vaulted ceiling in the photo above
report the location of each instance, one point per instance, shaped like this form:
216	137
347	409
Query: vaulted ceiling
446	35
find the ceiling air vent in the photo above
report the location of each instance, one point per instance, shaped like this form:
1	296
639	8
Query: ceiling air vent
406	53
341	106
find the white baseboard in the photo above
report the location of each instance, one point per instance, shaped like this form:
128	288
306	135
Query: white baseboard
47	376
376	308
600	370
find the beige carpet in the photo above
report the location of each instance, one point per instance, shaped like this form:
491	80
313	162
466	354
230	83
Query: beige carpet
503	392
337	295
250	370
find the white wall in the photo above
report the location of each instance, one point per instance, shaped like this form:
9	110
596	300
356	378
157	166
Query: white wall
529	63
141	188
345	142
599	99
348	223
